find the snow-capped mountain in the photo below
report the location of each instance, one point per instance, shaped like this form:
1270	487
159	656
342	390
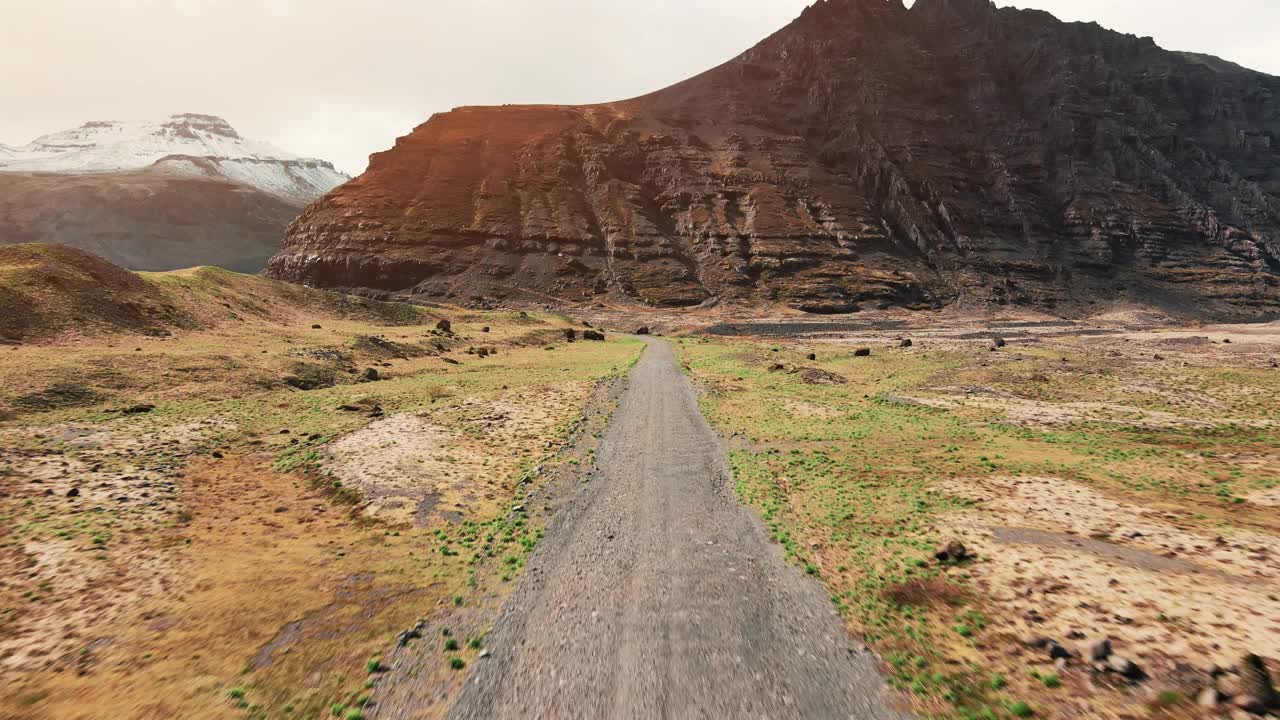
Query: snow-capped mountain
185	191
202	145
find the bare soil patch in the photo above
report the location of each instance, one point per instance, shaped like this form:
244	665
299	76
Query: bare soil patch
419	468
1063	561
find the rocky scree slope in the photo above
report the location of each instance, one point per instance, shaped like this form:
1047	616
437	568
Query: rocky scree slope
867	154
157	196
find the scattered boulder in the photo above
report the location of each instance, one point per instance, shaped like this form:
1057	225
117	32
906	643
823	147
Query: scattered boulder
311	376
1058	651
445	326
366	406
413	633
315	327
1100	651
777	367
1054	649
138	409
484	329
382	346
372	375
998	342
906	343
570	335
1126	668
954	551
451	361
814	376
813	356
593	335
1250	704
1256	682
862	352
73	492
1209	697
642	330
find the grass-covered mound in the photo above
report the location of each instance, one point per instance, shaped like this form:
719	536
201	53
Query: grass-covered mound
52	290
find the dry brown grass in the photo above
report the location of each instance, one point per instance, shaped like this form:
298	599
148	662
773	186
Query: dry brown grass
238	562
1110	482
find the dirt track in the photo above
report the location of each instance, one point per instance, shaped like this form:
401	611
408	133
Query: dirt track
655	594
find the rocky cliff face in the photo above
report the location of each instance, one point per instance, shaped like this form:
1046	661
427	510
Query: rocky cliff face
185	191
867	154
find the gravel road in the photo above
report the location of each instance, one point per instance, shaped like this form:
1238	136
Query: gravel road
656	595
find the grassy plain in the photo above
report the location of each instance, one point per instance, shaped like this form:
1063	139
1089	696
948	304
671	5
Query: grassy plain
1118	487
179	536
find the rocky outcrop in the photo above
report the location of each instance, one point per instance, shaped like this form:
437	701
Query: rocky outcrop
868	154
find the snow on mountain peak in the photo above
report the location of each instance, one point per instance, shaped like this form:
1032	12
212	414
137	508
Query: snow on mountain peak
211	144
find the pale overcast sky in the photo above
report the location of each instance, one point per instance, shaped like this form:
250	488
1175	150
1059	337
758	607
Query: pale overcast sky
339	79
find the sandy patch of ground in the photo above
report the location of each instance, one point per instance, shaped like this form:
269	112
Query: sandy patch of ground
1062	561
1259	333
414	468
1034	413
89	548
1267	496
402	465
801	408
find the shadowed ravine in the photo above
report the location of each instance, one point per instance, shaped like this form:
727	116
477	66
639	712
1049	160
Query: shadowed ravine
655	594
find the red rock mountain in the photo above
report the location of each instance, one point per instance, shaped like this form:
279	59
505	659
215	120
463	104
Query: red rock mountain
867	154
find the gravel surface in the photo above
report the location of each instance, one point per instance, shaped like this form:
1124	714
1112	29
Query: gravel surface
655	594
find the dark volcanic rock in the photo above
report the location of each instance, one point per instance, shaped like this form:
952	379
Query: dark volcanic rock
867	154
1256	682
954	551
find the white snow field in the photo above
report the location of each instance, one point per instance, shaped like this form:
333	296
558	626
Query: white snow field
188	143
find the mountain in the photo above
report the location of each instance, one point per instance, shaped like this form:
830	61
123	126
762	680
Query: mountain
188	190
867	154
